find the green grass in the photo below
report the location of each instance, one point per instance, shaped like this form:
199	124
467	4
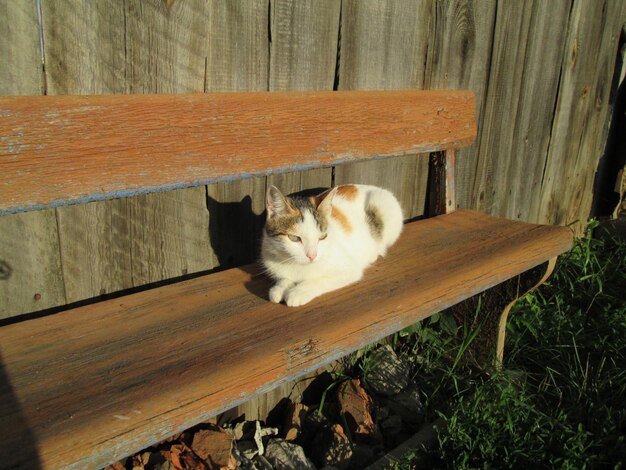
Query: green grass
560	401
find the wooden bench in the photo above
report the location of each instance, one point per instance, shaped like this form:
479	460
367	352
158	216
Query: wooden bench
88	386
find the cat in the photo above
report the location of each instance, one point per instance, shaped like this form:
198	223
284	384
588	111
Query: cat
314	245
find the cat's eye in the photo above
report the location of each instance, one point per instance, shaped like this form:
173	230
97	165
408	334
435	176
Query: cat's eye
323	236
294	238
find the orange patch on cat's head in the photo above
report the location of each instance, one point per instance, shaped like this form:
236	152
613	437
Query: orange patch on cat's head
341	218
348	192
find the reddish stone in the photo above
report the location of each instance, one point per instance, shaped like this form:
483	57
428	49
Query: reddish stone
358	408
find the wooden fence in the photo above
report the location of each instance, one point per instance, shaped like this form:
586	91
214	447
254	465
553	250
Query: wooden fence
541	70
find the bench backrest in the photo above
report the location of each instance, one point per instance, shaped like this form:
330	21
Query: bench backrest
58	150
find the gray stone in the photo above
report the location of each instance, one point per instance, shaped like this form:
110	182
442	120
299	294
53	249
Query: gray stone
386	374
391	425
408	405
284	455
331	446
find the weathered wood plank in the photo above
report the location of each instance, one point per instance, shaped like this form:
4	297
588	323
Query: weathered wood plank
519	108
303	53
166	48
582	112
85	54
156	142
21	72
30	266
237	60
136	48
218	340
303	50
459	57
383	47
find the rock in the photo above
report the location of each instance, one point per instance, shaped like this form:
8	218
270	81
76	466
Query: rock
247	449
312	423
391	425
260	433
408	405
331	446
294	421
213	445
387	375
261	463
184	458
287	456
362	456
358	408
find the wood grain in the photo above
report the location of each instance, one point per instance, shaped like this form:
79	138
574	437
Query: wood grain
136	47
383	47
145	366
21	72
303	50
237	60
582	115
30	265
158	142
303	53
459	57
519	108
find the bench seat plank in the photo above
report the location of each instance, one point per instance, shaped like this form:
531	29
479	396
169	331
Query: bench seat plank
73	149
99	382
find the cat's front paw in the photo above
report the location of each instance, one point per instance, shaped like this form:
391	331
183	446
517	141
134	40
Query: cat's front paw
298	296
276	293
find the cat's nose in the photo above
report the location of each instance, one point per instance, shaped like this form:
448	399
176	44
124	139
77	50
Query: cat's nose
311	256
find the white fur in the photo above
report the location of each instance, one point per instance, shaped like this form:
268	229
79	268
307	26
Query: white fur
338	260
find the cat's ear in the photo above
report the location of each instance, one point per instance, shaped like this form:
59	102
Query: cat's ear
325	203
275	202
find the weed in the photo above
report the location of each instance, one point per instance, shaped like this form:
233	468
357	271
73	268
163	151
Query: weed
567	343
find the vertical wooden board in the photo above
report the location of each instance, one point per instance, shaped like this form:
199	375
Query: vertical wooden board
166	47
582	112
21	71
303	55
523	85
238	48
138	48
30	265
303	50
170	235
84	46
84	50
237	60
384	46
94	240
459	57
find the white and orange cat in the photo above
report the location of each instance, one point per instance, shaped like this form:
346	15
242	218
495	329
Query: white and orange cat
314	245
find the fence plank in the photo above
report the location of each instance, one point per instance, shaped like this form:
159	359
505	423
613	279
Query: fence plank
303	57
166	48
384	46
30	265
237	60
582	112
459	57
523	85
21	72
130	48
